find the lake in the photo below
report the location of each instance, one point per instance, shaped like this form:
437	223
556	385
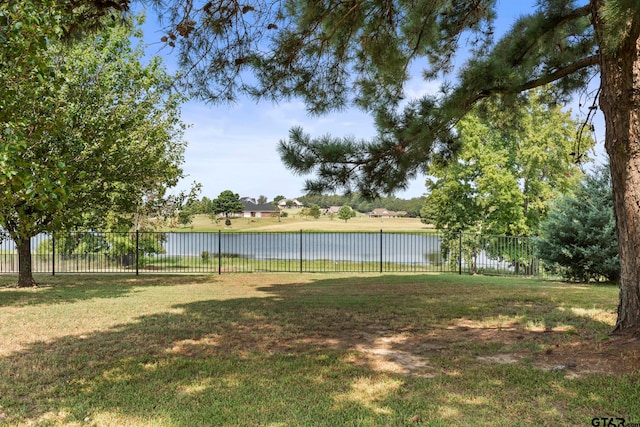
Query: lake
402	248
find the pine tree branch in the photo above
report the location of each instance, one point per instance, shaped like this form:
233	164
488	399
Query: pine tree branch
589	61
551	25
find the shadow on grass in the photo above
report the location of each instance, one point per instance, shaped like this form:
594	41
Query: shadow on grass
71	288
354	351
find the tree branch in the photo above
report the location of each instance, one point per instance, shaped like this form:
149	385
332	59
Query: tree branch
551	25
589	61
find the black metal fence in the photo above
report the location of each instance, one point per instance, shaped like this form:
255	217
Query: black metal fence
225	252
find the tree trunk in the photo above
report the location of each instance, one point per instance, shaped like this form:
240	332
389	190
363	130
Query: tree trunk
620	103
25	274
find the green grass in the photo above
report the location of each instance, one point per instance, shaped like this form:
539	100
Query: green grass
237	263
304	349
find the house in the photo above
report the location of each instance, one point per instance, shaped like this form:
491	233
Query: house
286	203
382	213
253	209
331	210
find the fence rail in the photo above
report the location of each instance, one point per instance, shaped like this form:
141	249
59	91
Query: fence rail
226	252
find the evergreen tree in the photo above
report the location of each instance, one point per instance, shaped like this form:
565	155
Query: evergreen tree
579	237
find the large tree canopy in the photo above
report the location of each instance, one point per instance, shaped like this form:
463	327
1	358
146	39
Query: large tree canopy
87	131
512	163
333	53
226	203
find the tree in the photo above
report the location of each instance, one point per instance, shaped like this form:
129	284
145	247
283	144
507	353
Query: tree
346	213
334	53
87	130
314	211
185	216
226	203
510	165
578	238
154	209
189	206
204	206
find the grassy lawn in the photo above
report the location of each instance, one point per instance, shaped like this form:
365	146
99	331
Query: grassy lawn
309	350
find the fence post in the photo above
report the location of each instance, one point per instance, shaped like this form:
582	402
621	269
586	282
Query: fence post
53	251
301	250
460	254
137	252
381	255
219	253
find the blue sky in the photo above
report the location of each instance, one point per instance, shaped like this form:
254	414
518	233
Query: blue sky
233	147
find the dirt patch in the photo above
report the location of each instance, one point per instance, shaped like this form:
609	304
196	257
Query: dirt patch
382	354
411	353
506	358
572	352
569	354
618	354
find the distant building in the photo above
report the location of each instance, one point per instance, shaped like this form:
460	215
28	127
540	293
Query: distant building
382	213
289	203
331	210
253	209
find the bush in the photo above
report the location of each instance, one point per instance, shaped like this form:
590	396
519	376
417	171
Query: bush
579	235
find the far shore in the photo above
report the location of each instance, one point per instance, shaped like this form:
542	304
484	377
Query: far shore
295	222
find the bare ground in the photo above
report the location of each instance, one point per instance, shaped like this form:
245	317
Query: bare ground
411	353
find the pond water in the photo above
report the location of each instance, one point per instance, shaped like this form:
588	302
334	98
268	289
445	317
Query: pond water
404	248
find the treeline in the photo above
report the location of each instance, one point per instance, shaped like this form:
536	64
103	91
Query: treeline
355	201
358	203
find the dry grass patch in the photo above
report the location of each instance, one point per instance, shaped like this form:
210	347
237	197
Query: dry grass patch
295	222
